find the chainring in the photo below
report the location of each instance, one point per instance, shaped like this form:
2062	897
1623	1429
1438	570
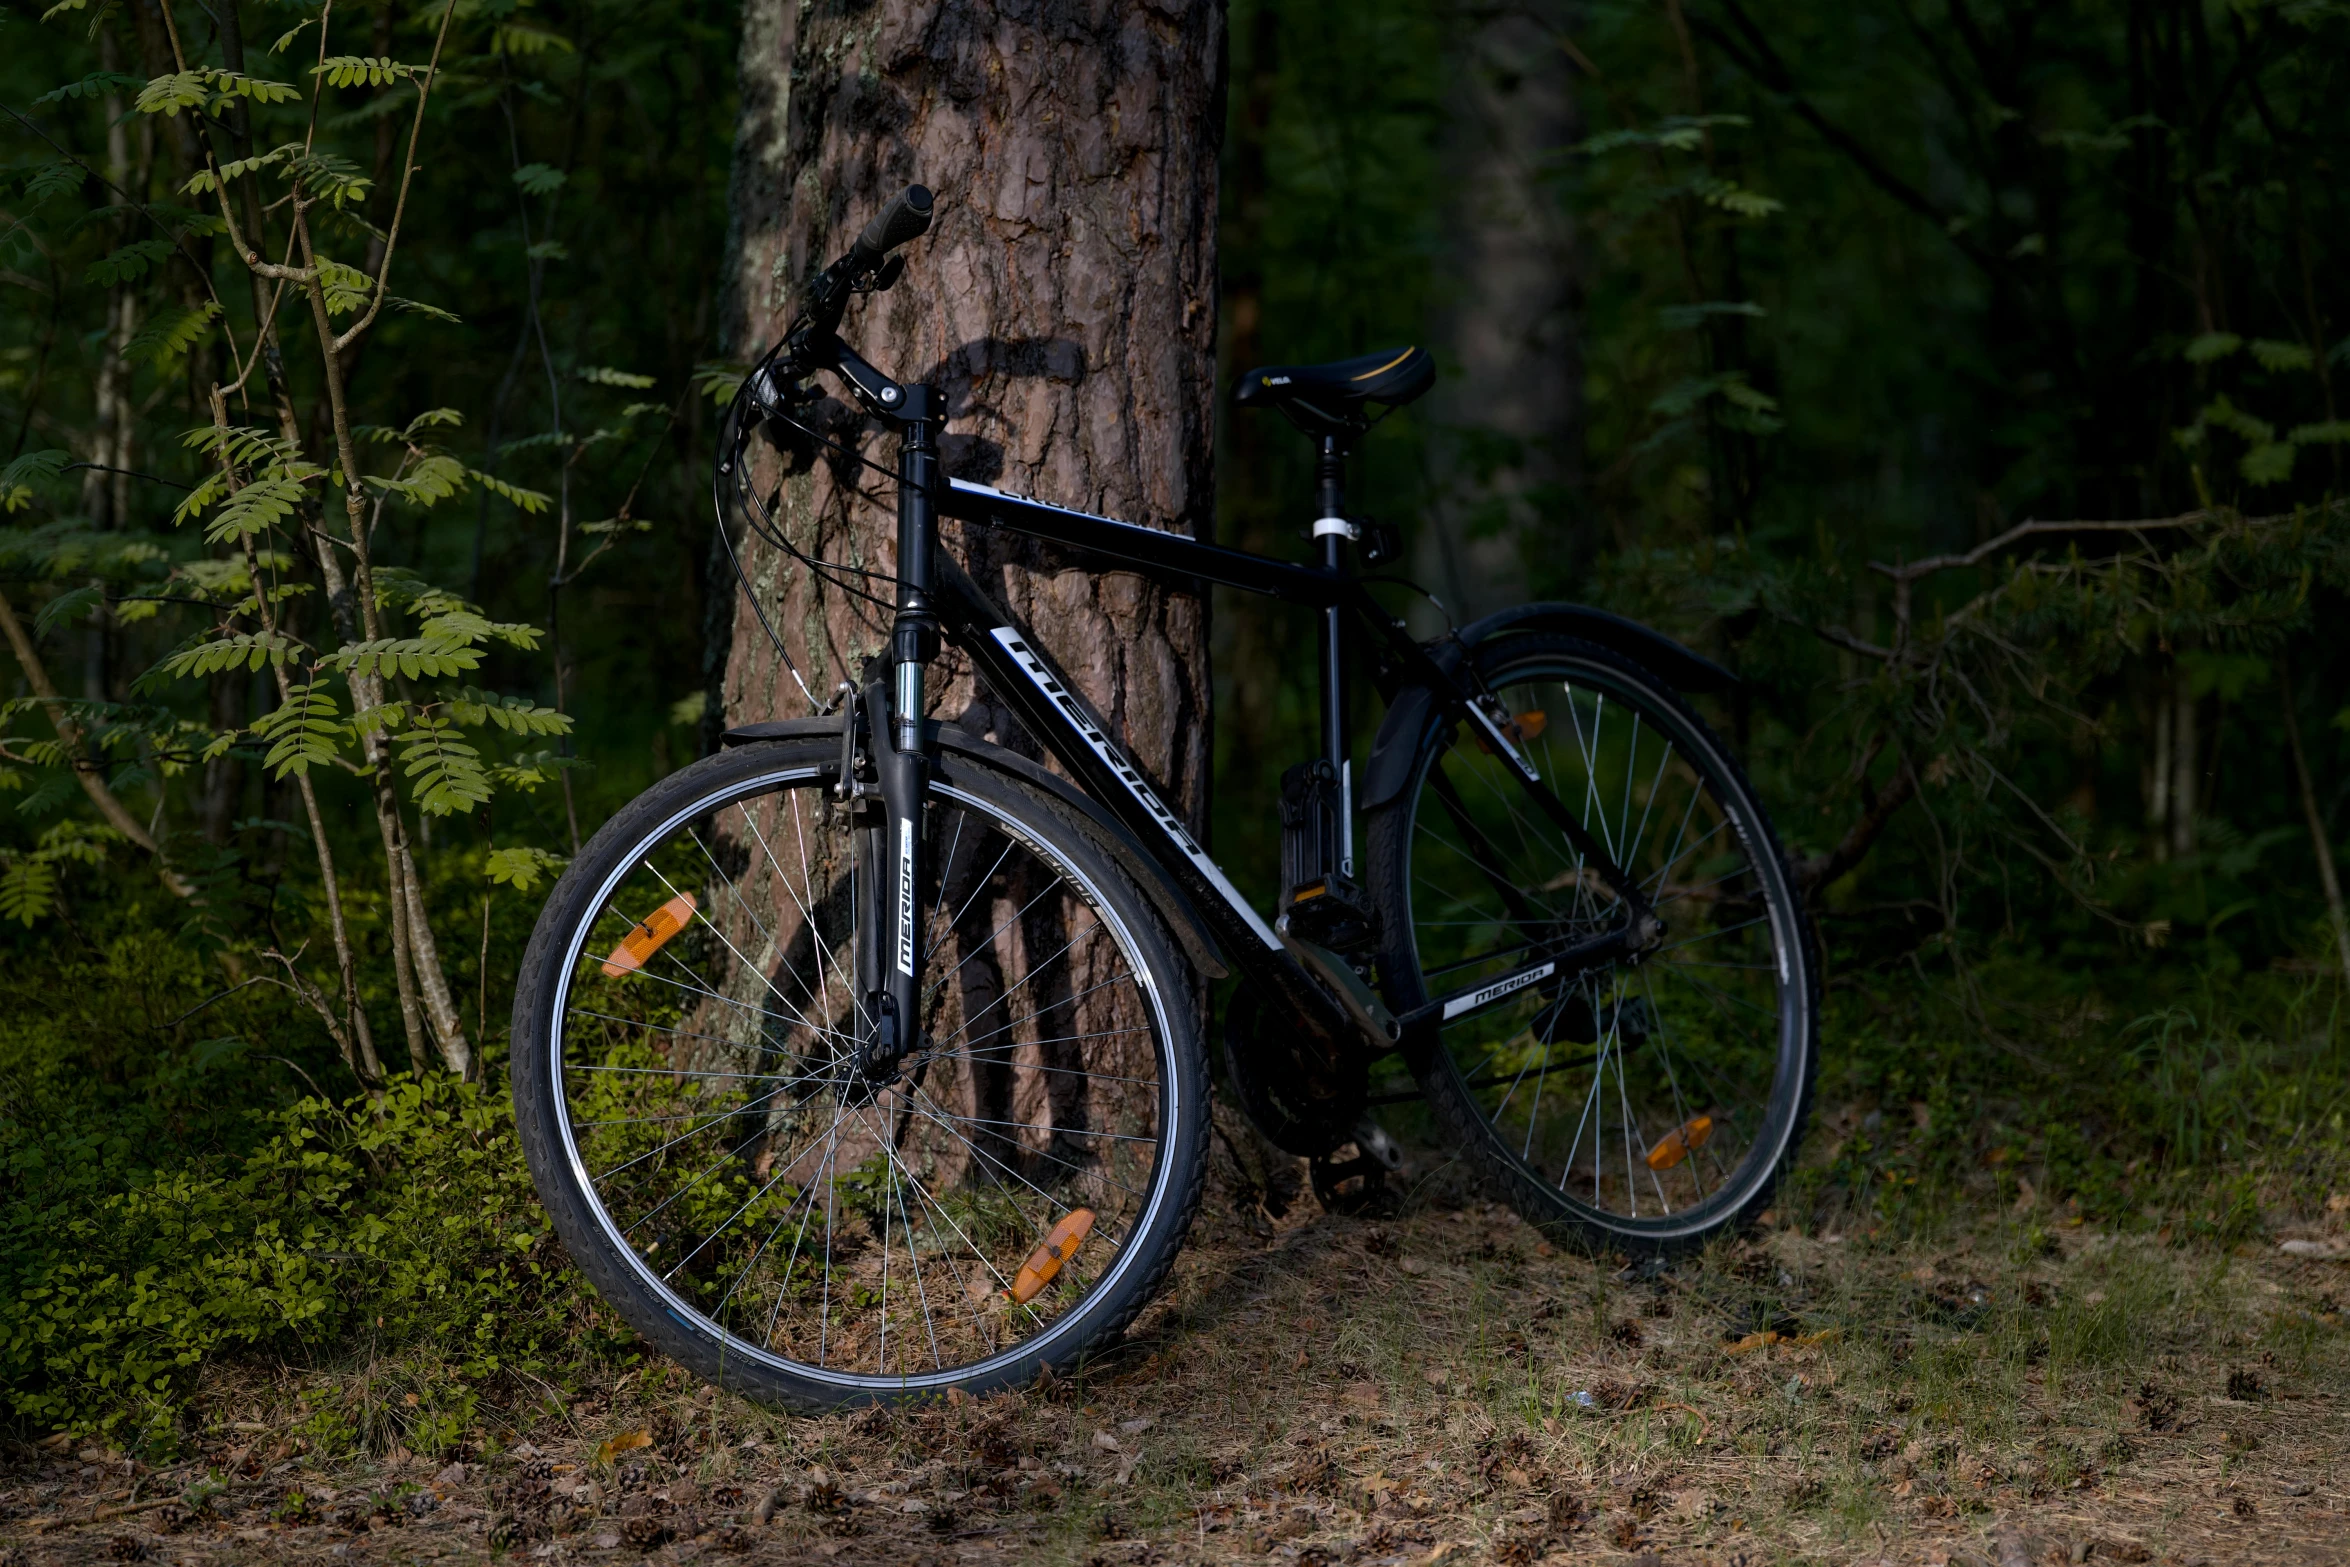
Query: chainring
1305	1093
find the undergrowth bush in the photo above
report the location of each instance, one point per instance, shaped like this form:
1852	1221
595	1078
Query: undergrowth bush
399	1225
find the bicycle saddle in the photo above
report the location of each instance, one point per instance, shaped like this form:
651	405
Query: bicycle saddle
1328	399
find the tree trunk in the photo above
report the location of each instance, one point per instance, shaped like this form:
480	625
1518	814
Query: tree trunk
1508	411
1064	299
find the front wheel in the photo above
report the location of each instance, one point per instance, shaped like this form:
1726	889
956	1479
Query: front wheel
1643	1105
684	1028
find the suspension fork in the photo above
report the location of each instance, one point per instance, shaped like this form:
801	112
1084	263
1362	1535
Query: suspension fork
901	753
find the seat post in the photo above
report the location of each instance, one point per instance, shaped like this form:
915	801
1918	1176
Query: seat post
1329	532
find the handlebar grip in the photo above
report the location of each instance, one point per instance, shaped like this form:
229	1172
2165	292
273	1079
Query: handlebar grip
906	217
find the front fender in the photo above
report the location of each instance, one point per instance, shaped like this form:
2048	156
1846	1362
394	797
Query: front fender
1417	710
1174	904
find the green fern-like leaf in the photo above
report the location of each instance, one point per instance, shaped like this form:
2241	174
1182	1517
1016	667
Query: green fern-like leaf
77	842
92	85
46	463
432	480
528	38
130	261
2274	355
72	604
324	175
522	868
418	658
719	381
249	649
59	178
28	890
346	287
172	333
205	180
539	179
417	307
172	93
605	375
444	773
531	501
2269	463
263	503
514	714
302	732
528	771
359	70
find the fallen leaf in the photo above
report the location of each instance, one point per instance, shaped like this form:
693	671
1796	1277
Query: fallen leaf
2322	1251
626	1441
1414	1265
1136	1427
1106	1442
1752	1342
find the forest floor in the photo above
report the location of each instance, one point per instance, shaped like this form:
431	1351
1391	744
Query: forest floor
1436	1385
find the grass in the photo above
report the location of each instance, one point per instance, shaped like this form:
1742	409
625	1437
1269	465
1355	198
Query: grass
2005	1383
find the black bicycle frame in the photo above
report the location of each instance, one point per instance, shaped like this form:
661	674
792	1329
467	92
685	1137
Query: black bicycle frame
931	601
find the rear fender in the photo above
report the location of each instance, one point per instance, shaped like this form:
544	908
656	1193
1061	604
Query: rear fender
1418	711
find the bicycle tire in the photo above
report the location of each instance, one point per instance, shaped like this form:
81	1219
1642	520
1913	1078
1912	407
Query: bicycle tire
1492	881
568	1049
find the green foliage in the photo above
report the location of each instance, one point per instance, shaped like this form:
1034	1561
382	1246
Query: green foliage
352	70
410	1213
172	333
130	261
522	868
209	91
445	773
303	731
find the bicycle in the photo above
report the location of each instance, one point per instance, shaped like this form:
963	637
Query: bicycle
863	1058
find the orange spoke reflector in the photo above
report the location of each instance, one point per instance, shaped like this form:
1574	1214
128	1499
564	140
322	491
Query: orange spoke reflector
641	943
1044	1263
1679	1143
1526	726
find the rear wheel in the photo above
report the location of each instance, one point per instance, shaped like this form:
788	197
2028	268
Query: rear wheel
684	1026
1640	1106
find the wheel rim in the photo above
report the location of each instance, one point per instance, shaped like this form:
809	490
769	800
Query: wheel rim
1652	1098
862	1239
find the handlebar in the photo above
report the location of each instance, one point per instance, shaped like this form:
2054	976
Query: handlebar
906	217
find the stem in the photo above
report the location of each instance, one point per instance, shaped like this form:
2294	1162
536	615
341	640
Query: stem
383	277
414	946
2326	876
356	1038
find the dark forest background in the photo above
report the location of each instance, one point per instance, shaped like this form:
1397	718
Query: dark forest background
1835	340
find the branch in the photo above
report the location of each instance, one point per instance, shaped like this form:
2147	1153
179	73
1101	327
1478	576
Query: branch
2024	530
1820	869
383	275
1758	59
85	768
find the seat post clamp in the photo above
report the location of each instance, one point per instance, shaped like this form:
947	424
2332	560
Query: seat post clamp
1325	526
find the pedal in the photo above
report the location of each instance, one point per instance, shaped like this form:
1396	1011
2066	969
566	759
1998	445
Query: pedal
1332	912
1359	1184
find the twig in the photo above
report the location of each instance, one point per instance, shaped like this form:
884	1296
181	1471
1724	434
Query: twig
383	276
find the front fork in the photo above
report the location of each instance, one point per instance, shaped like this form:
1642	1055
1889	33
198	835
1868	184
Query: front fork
901	759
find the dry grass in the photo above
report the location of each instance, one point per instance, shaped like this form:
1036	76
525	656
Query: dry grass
1431	1386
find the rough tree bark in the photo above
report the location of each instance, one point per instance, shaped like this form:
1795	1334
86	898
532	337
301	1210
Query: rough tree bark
1064	299
1508	411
